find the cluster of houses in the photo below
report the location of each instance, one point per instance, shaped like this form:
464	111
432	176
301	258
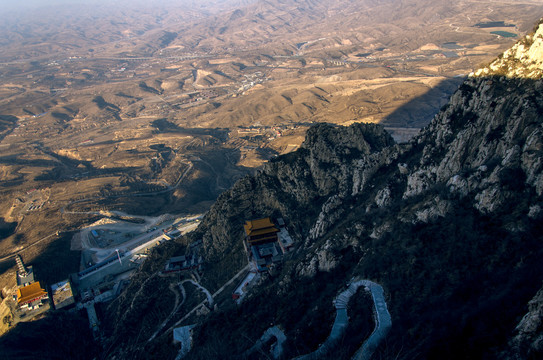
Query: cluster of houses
183	262
265	243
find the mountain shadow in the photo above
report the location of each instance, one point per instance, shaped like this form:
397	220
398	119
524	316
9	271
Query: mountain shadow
449	223
61	335
6	228
408	119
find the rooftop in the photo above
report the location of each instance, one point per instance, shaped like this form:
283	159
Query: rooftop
62	294
183	335
285	241
178	259
30	292
26	278
259	226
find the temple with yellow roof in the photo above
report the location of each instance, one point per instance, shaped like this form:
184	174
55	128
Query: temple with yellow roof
260	231
30	294
266	242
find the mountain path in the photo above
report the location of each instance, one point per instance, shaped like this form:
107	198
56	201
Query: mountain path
383	322
201	304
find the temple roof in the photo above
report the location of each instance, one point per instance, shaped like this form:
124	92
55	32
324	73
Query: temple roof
30	292
259	226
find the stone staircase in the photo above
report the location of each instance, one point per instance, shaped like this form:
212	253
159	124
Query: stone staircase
343	299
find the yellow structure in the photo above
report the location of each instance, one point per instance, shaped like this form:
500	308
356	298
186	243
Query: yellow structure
30	293
260	231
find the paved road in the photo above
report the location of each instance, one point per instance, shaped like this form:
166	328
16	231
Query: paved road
93	318
242	271
175	307
383	322
204	290
127	250
340	325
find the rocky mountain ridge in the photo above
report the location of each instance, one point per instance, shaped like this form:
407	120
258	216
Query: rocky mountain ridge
475	170
449	224
524	59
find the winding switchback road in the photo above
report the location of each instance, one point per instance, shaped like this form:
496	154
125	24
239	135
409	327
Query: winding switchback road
383	322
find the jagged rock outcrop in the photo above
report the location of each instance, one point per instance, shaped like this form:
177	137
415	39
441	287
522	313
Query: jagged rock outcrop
450	224
523	60
316	179
528	340
487	141
455	210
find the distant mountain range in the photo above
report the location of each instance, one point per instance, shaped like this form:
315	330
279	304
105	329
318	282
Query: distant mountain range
233	25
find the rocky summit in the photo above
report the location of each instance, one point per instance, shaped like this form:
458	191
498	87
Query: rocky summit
449	224
524	59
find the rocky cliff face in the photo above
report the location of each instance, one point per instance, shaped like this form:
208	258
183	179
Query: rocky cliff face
450	224
524	59
483	151
333	163
455	211
527	343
